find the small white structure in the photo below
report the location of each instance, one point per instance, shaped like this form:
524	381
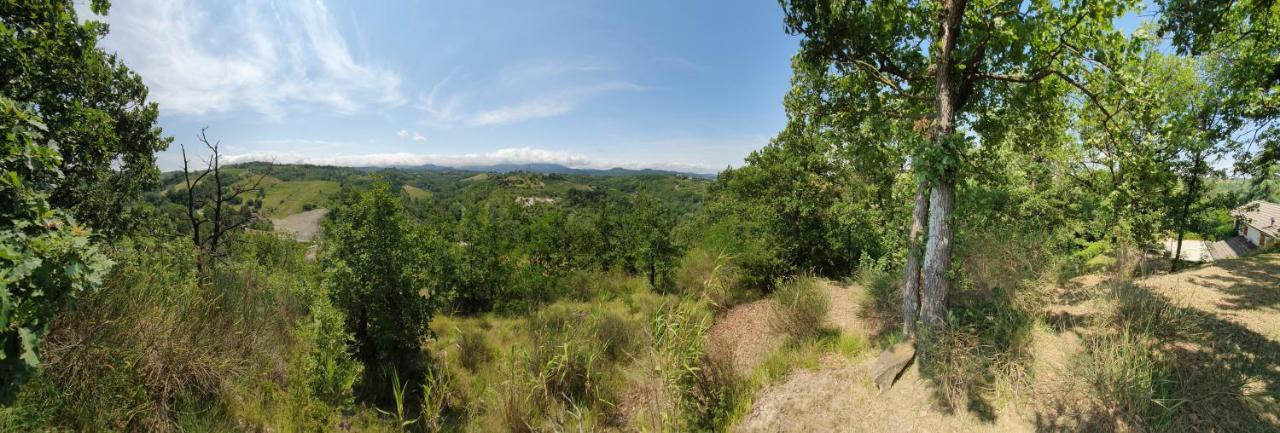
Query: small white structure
1258	222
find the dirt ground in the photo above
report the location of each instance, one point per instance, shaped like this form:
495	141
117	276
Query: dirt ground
1243	291
839	396
745	331
303	226
1240	298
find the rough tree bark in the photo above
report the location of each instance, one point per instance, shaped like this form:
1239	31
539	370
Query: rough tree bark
937	256
911	276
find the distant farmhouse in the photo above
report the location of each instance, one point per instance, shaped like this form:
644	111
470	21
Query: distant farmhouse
1258	222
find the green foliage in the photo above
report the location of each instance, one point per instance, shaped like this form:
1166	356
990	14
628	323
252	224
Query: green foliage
798	206
481	261
46	259
701	387
383	273
94	106
883	303
159	350
329	368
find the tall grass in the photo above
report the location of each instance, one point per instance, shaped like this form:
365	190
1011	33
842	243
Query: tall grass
158	350
800	308
712	277
1128	372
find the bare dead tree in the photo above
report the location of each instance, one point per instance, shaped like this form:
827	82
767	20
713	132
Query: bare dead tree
211	246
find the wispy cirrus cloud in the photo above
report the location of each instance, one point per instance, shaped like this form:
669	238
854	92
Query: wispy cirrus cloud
528	91
200	58
549	105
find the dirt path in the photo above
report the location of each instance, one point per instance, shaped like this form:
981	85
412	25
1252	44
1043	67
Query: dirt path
303	226
745	334
839	397
1239	299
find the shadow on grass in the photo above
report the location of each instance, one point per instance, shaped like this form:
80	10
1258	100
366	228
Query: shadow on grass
985	344
1250	283
1209	374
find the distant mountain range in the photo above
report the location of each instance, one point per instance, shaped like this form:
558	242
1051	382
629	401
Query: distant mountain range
549	169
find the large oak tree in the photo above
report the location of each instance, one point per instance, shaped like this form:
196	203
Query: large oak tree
946	66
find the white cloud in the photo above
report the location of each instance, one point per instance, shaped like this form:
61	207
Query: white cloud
415	135
205	57
549	105
541	90
521	155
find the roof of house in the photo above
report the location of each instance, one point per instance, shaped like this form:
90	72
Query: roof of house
1261	215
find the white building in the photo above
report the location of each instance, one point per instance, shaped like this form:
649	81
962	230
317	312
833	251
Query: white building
1258	222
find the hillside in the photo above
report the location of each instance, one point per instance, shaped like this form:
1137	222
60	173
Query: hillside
941	216
1219	332
289	191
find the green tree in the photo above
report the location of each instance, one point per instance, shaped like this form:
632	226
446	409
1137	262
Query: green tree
942	66
383	272
46	259
655	253
481	265
1242	40
93	106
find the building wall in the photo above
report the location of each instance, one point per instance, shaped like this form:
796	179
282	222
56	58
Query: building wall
1253	235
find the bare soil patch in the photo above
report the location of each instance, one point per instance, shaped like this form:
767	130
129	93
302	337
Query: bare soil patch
303	226
744	332
839	397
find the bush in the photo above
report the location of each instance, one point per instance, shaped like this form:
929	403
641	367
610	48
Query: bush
158	350
48	260
330	370
698	389
617	335
383	272
1122	371
568	359
800	308
474	348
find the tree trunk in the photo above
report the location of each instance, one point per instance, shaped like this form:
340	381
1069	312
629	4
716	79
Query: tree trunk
1193	193
937	256
911	276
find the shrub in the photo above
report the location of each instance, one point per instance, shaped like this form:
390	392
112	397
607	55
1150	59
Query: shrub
617	335
330	370
1128	369
693	383
47	259
158	349
567	358
800	308
984	345
1122	371
383	272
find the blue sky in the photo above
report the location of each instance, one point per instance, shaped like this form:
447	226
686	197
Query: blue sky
689	85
